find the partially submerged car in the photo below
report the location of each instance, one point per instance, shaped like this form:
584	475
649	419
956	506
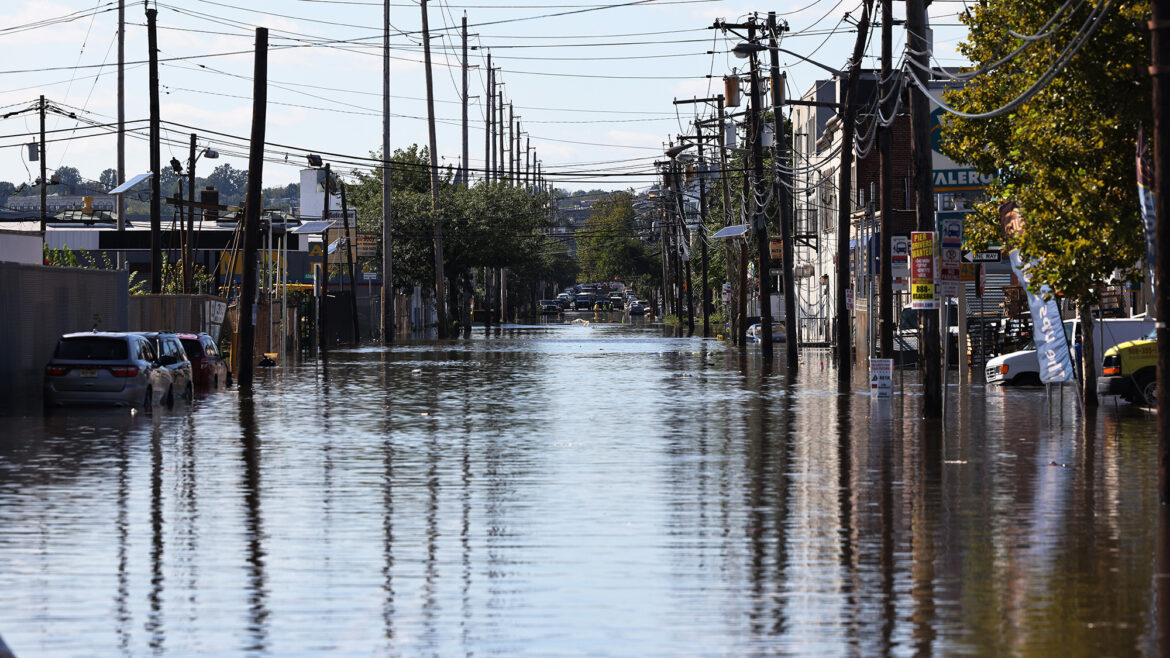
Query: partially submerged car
106	369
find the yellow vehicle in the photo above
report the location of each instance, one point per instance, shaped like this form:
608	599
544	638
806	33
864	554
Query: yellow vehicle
1130	369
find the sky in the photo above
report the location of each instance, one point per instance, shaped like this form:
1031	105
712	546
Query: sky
593	84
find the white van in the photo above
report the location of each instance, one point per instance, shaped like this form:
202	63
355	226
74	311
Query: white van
1023	367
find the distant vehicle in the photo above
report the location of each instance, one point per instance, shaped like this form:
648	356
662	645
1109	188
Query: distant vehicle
602	304
173	357
1130	370
617	301
636	308
778	332
564	301
583	302
208	368
1023	367
106	369
550	307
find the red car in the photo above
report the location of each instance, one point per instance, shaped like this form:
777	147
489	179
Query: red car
208	367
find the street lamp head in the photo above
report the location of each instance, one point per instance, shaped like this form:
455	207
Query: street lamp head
675	150
210	154
314	160
744	49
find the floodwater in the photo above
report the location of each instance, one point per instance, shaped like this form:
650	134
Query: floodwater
600	490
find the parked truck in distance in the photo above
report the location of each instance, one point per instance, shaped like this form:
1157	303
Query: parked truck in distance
1130	370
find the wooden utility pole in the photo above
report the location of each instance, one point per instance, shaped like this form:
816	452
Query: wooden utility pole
725	187
323	287
489	116
929	345
513	140
466	161
759	212
845	200
121	199
705	298
44	172
189	236
248	287
1160	70
884	134
791	343
353	309
499	160
440	280
387	191
155	160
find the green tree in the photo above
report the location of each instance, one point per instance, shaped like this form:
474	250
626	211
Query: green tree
1067	155
109	178
608	246
69	178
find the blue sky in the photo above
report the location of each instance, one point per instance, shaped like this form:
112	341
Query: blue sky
593	89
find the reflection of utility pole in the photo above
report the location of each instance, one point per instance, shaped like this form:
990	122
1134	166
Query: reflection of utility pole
930	349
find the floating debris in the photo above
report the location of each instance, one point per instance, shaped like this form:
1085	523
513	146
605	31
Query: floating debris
416	371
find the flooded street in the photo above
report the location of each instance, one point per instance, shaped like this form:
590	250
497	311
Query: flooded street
602	490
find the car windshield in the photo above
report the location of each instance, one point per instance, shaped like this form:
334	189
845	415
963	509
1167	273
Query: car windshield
94	348
192	347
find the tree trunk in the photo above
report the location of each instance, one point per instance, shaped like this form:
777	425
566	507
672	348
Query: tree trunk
1088	356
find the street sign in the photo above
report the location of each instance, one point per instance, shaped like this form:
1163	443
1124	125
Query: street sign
981	256
370	276
922	294
950	255
900	256
881	378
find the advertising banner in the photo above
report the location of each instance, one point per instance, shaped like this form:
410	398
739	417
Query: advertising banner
881	378
922	297
1145	169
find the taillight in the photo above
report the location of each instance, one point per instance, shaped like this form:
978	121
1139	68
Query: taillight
1003	369
1112	372
56	371
124	371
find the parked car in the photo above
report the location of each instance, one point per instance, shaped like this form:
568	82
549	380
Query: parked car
1023	367
208	368
778	332
617	301
107	368
173	357
550	307
636	308
1130	370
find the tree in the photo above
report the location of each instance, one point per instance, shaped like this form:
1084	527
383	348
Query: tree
608	246
232	183
109	178
6	190
69	178
1066	156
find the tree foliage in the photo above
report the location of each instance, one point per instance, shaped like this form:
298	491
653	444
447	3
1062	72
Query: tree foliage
1067	155
608	247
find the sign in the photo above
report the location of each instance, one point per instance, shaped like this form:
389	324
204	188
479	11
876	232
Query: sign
881	378
960	179
900	260
776	248
981	256
849	298
1047	329
950	255
726	292
922	296
776	271
370	276
968	272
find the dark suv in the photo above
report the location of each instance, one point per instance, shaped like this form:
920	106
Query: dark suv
172	357
209	368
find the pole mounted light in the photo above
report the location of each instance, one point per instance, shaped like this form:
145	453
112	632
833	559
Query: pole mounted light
674	151
314	160
744	49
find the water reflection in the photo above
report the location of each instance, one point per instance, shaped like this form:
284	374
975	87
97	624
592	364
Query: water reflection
548	488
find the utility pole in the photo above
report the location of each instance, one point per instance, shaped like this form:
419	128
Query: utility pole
725	185
322	342
705	299
387	229
500	156
885	262
440	281
248	287
1160	70
188	248
348	264
759	216
466	162
44	174
489	147
513	140
121	123
845	201
791	343
930	348
155	160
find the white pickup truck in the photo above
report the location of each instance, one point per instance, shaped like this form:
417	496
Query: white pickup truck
1023	367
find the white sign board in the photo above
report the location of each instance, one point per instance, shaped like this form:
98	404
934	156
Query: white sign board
726	292
881	378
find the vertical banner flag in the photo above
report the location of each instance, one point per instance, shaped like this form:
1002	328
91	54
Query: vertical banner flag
950	255
922	296
1047	327
1145	180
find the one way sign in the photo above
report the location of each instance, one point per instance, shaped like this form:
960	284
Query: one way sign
981	256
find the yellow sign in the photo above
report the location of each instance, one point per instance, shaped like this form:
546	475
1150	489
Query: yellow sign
776	248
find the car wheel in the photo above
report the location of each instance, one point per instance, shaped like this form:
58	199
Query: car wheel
170	399
189	394
148	402
1147	390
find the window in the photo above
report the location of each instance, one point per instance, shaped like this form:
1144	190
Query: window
95	348
146	350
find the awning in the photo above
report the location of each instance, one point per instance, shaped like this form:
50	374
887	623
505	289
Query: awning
737	231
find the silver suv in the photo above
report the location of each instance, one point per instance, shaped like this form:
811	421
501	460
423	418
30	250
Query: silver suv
173	357
119	369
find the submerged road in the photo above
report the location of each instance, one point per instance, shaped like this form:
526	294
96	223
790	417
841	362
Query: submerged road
600	490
